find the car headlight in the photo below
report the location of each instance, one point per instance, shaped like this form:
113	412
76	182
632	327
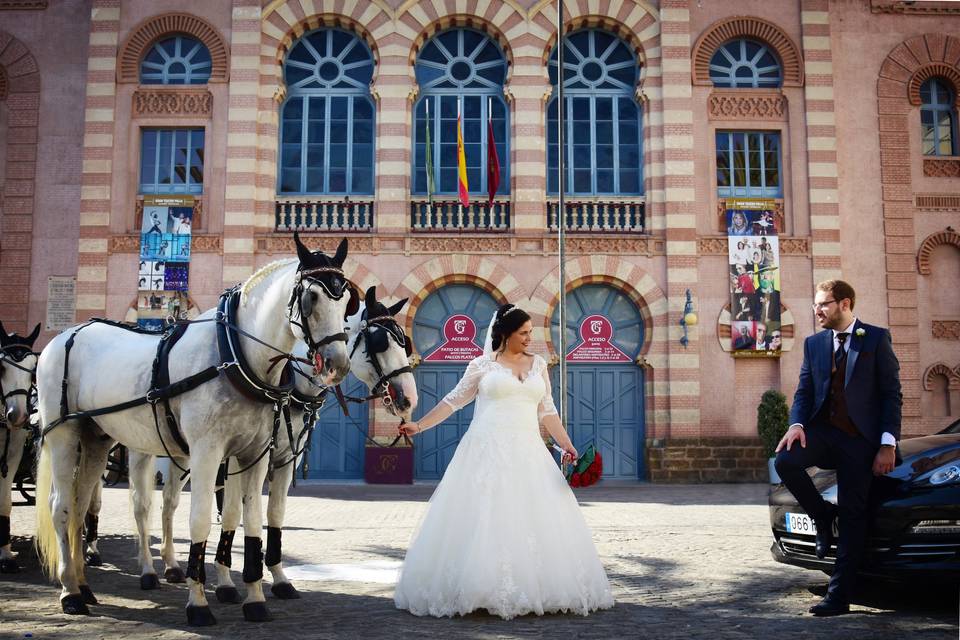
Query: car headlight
946	474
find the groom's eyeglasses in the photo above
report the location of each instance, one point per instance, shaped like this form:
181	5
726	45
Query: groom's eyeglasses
822	305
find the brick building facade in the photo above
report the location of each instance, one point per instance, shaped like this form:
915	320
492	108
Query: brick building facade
859	194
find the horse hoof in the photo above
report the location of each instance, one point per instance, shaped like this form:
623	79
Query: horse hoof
174	575
87	594
93	559
200	616
74	605
285	591
256	612
149	582
228	595
9	565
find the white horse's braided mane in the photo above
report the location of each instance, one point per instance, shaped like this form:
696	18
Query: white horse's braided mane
259	276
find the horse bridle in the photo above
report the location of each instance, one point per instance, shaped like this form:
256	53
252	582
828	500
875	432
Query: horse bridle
389	325
296	298
18	353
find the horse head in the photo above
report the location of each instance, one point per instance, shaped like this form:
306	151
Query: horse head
384	363
320	302
18	367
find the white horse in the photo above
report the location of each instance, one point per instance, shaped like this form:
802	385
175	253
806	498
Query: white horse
383	367
18	363
230	414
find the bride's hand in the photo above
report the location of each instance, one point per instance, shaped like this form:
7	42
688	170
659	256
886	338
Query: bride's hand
409	428
570	454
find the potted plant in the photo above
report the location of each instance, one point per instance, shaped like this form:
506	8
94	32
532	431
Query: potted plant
773	417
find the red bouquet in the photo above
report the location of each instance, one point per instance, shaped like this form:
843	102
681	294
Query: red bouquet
586	469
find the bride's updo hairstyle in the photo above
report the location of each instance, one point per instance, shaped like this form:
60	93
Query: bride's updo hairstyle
509	319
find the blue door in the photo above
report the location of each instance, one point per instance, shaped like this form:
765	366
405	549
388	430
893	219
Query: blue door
605	399
434	449
336	452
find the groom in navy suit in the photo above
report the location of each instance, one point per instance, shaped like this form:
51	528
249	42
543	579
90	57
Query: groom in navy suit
845	416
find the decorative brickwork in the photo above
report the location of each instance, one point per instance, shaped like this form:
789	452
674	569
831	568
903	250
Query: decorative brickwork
937	201
172	102
22	5
706	460
911	7
20	88
746	104
719	246
947	236
747	27
944	70
145	34
130	243
940	369
313	22
945	329
941	167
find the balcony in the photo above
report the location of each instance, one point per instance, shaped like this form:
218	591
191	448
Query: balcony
306	213
450	216
599	215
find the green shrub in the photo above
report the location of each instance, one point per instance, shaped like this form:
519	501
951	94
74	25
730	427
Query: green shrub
773	417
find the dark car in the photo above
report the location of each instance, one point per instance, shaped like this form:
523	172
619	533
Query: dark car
914	509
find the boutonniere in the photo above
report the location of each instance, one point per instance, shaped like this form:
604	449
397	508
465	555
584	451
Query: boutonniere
861	332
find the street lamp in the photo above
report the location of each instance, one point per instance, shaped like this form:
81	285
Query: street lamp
689	319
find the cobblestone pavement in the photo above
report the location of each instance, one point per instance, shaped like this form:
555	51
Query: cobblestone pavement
684	561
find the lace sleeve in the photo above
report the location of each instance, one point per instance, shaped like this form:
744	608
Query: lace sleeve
546	406
466	390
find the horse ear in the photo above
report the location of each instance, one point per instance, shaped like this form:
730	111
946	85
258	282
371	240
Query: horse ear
396	308
353	305
341	254
33	335
371	296
303	253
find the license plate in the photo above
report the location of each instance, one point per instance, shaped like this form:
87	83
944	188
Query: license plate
801	523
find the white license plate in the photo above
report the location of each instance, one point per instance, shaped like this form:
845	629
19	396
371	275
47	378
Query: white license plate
801	523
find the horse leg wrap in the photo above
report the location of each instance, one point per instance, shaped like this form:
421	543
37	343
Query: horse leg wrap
195	569
4	531
90	524
224	555
252	559
273	546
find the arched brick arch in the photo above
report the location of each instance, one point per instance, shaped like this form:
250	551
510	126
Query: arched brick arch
629	34
727	29
940	369
947	236
144	35
933	70
496	32
310	23
20	90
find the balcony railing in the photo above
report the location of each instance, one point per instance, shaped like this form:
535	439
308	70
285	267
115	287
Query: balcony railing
451	216
309	214
598	215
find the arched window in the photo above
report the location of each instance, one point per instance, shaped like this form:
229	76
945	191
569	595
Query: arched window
176	60
460	69
601	115
938	119
745	63
326	122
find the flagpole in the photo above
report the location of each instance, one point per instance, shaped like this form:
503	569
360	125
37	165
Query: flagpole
562	216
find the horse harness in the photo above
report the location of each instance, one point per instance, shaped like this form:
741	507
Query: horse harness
376	332
12	355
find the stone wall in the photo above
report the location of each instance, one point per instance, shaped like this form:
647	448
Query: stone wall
706	460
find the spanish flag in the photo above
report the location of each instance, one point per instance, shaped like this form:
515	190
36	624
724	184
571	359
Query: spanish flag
463	188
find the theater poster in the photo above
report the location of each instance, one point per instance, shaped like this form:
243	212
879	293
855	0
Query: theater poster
165	243
754	274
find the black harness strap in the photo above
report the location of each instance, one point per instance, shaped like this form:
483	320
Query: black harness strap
161	379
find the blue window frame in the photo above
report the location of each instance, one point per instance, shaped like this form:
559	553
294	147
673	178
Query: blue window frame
176	60
466	68
745	63
748	164
602	118
171	161
327	121
938	119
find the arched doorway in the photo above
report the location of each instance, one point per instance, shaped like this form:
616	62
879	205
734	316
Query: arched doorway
605	332
448	331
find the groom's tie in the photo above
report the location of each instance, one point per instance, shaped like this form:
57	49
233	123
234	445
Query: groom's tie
840	354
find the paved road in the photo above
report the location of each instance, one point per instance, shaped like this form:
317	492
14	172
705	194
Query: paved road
684	561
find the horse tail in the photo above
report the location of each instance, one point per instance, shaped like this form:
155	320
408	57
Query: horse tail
47	545
46	540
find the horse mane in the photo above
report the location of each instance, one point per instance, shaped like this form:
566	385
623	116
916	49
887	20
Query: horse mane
260	274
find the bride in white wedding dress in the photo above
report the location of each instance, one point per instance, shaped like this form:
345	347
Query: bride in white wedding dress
503	531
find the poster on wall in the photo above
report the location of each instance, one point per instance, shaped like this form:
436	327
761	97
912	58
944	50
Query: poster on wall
459	341
596	342
164	274
754	272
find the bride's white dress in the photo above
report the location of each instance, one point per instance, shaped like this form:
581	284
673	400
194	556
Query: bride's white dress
503	531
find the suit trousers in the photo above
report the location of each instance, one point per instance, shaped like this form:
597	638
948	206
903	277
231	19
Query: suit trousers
852	458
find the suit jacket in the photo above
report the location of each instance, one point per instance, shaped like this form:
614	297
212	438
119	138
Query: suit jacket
872	383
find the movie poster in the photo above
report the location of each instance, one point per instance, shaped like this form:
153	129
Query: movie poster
164	274
754	272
